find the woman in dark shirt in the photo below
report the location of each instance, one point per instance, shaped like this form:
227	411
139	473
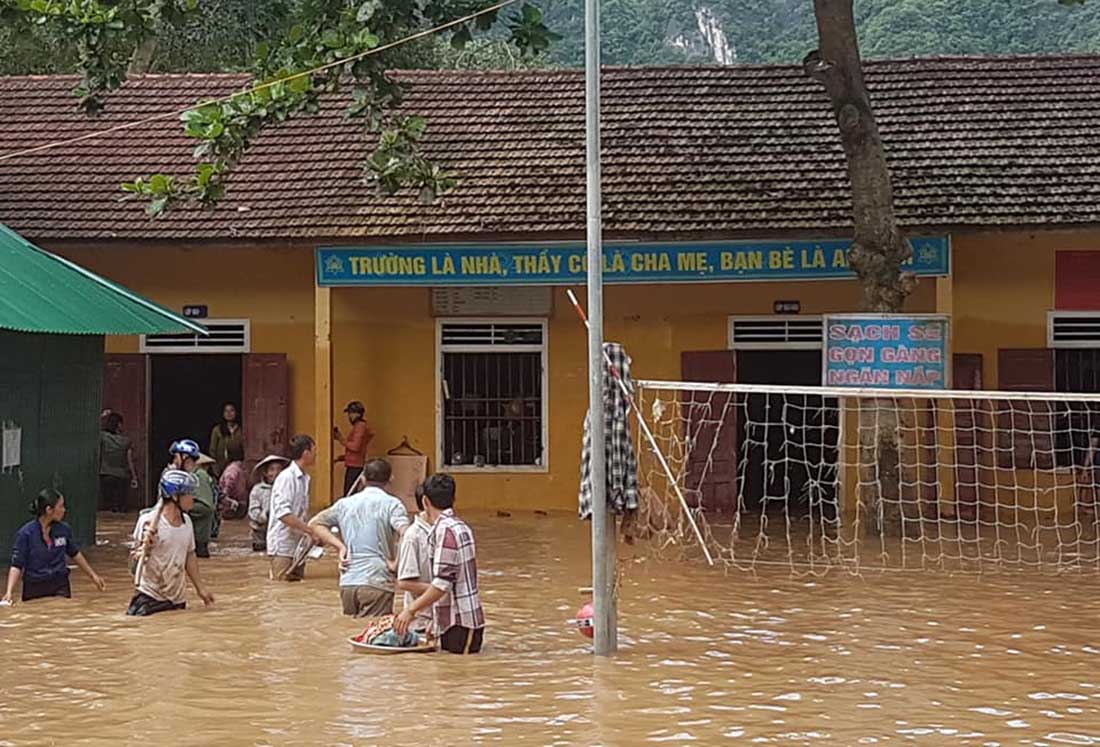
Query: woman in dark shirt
42	549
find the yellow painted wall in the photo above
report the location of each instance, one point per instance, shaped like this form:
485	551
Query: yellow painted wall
271	285
384	354
384	339
1004	287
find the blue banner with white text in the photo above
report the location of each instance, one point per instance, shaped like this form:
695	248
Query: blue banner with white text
519	264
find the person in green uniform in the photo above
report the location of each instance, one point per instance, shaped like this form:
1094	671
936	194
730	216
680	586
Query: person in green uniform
204	513
116	464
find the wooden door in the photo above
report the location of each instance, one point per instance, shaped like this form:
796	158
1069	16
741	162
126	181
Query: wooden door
973	433
265	390
125	391
712	430
1025	427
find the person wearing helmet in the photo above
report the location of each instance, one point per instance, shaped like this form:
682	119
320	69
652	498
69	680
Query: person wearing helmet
355	444
168	540
186	457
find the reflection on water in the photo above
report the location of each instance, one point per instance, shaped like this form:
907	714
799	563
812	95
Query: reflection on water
707	659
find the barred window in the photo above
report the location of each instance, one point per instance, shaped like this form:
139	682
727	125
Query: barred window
493	393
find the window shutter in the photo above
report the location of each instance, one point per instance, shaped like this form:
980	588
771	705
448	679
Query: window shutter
1025	437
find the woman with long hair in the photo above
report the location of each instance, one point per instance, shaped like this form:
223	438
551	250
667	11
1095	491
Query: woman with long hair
225	435
43	547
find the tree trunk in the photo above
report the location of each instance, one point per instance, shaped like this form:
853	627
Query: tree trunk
878	248
143	57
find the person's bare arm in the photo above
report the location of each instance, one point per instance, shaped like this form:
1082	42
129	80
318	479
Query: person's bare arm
295	522
192	568
130	462
320	524
430	596
85	566
414	586
13	580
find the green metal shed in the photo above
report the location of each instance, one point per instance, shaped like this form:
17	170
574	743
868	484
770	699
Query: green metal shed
53	318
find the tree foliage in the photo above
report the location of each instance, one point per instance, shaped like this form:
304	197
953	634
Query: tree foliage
323	47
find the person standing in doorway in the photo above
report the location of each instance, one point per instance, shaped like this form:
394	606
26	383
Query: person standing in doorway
355	444
225	436
116	464
453	595
43	547
371	522
166	539
289	511
414	562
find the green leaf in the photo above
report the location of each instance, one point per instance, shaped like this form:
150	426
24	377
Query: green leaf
332	39
461	37
367	10
301	84
158	183
297	32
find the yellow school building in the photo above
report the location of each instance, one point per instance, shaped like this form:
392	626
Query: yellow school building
725	203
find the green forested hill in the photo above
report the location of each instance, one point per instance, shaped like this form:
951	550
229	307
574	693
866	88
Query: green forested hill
761	31
640	32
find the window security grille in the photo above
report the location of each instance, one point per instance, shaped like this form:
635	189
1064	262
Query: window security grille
493	377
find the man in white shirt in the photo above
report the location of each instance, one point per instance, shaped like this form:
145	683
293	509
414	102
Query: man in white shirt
414	562
289	509
371	523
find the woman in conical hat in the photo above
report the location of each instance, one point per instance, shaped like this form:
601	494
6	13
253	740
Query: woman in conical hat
259	500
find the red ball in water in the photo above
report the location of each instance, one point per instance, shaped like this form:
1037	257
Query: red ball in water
584	620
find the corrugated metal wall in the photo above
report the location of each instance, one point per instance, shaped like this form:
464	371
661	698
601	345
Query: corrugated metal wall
50	386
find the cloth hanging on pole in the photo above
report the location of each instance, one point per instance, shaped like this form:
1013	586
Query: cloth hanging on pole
622	461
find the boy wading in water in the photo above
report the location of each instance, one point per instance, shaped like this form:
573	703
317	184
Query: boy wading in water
453	595
167	540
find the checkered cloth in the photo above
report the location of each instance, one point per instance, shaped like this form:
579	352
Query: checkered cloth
454	570
622	462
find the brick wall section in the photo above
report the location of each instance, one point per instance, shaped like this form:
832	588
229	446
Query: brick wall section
972	142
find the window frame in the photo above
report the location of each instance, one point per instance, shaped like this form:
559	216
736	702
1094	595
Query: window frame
544	466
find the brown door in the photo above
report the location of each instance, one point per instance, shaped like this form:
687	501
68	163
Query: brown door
1025	431
973	433
712	430
265	385
125	389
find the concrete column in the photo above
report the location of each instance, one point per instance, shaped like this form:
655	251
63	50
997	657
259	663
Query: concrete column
322	392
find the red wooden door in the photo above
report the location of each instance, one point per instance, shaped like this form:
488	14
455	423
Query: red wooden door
125	391
973	434
265	385
712	430
1025	430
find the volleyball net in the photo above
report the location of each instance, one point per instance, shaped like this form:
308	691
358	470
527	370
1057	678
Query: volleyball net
813	479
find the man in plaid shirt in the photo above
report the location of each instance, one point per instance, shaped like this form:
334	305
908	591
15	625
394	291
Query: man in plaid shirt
458	617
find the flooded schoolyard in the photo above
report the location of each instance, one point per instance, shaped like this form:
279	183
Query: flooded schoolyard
707	658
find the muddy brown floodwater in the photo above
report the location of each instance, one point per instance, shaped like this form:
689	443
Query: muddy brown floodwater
707	659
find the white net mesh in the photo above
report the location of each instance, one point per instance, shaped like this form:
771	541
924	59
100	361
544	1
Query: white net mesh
815	479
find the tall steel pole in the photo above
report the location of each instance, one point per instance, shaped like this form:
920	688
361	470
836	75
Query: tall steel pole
603	524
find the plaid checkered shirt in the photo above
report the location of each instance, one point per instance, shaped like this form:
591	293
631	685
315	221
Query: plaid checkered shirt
622	461
454	570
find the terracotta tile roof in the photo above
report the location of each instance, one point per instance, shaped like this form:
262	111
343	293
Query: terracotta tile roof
687	151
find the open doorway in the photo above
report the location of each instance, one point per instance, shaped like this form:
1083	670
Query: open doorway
187	395
787	442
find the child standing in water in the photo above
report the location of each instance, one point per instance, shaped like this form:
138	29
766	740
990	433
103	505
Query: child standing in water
259	500
167	540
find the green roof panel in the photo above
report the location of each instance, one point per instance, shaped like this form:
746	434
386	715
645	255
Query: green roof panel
42	292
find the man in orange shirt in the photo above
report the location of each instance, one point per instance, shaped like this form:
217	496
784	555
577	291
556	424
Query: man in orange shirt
355	445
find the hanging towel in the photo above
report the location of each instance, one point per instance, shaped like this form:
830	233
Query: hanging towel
622	462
